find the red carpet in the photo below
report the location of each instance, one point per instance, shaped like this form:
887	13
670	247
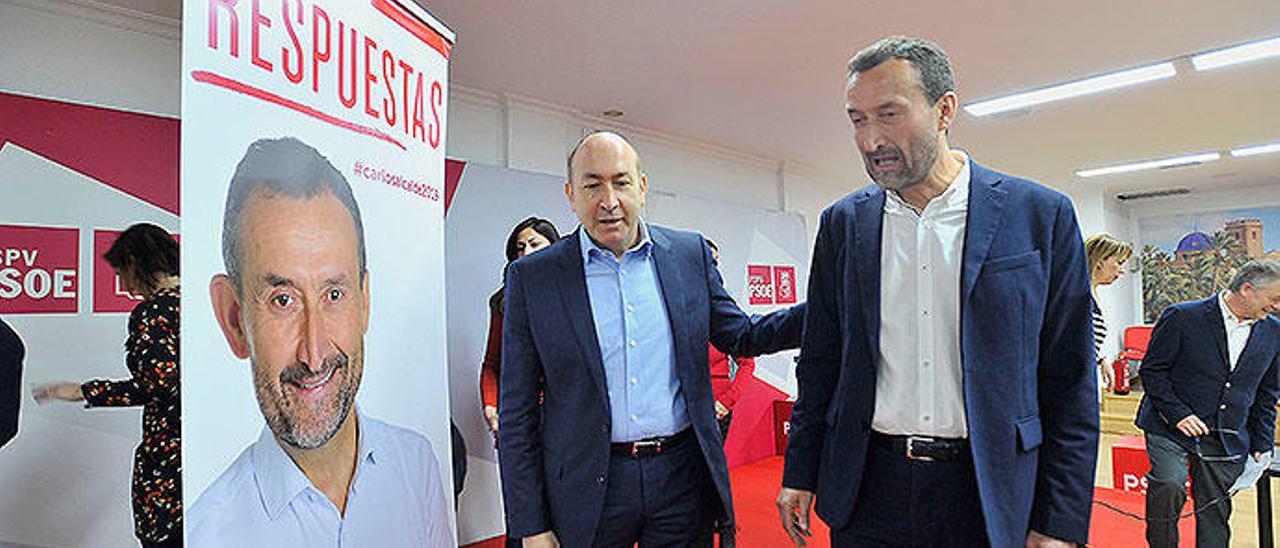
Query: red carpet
755	488
1109	528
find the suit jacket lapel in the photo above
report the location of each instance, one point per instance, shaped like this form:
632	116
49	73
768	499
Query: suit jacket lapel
573	292
867	235
981	223
672	277
1217	326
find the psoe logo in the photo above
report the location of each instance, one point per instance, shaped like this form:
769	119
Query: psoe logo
39	269
759	284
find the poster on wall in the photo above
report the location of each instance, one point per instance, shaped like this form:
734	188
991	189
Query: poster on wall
1186	257
314	331
72	177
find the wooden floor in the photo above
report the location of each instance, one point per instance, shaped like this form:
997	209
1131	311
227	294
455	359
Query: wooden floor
1119	411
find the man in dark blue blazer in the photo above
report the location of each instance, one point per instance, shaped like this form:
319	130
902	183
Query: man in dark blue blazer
608	435
11	354
946	386
1211	381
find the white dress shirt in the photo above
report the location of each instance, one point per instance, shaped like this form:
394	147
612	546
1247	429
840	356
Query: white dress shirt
1237	331
919	383
396	498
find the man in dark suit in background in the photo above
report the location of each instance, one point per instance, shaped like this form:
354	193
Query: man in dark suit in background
608	434
946	386
11	354
1211	381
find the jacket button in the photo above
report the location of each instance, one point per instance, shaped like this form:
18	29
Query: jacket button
599	479
1223	406
1228	385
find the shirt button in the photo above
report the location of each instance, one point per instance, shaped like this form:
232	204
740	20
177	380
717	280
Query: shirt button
633	343
633	380
926	363
926	418
634	418
599	479
924	267
1223	406
1228	385
604	429
925	312
631	308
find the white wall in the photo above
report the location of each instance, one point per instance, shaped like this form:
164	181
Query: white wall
533	135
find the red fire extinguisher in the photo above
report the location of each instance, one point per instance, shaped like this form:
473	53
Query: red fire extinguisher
1120	375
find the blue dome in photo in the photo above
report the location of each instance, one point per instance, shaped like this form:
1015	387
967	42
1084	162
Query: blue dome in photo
1195	241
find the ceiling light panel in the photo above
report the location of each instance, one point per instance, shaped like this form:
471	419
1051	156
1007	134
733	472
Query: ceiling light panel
1096	84
1185	160
1237	54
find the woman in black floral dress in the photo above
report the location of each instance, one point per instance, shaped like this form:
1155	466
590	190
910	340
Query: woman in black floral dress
145	257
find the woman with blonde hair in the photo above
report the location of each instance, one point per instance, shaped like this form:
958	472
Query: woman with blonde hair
1107	255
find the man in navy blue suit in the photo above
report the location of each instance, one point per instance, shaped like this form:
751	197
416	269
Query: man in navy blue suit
946	386
11	354
608	434
1211	381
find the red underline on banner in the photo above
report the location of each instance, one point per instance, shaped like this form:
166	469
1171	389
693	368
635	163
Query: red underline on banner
415	27
257	93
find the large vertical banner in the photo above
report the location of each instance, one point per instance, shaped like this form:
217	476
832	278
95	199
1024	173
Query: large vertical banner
72	177
315	410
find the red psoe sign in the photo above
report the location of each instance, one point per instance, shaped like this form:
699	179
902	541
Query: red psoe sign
39	269
759	284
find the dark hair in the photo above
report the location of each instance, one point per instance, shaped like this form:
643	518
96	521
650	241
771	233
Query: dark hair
931	63
146	252
284	167
539	225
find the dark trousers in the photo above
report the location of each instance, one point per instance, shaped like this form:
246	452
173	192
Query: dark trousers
666	499
904	502
1211	475
173	543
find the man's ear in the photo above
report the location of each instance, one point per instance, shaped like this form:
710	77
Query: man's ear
226	308
947	107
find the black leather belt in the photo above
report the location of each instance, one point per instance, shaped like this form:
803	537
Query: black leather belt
652	446
924	448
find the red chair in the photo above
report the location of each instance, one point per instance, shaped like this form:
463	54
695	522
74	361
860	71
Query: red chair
1136	339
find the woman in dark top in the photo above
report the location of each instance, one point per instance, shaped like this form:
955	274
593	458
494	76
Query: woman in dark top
528	236
1107	255
145	257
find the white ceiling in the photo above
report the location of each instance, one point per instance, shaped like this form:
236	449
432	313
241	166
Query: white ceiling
766	76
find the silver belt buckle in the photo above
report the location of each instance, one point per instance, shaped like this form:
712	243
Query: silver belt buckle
656	444
911	442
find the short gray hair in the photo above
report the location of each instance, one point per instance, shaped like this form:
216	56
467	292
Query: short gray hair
930	61
1256	272
288	168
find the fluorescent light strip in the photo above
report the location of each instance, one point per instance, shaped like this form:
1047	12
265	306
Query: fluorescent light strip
1256	150
1077	88
1237	54
1188	159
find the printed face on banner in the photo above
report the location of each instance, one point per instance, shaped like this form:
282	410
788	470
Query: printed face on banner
759	284
303	306
39	269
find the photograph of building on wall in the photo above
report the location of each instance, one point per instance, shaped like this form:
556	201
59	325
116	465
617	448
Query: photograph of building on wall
1187	257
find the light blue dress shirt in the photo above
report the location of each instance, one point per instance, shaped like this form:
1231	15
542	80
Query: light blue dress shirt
396	498
634	334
